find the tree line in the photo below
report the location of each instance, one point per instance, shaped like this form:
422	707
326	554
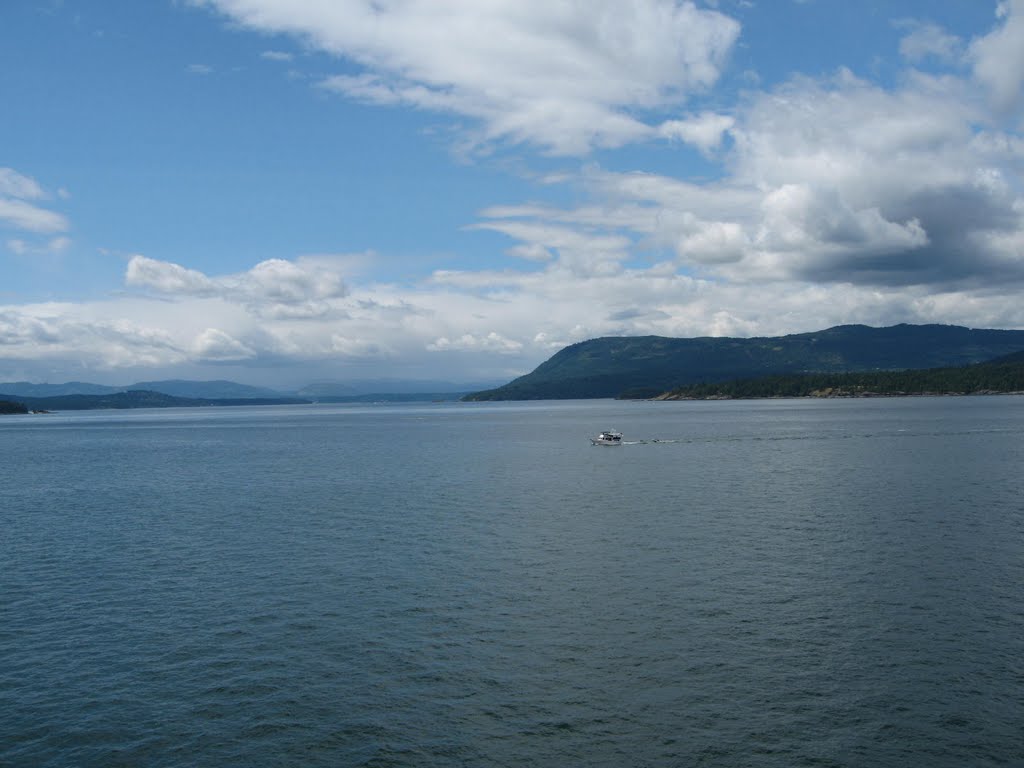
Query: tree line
972	379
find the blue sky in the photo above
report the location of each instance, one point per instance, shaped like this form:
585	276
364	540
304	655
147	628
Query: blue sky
280	191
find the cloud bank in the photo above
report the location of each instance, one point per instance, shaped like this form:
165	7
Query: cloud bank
835	199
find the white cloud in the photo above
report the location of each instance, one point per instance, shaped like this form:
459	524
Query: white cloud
998	57
14	184
832	181
712	242
20	214
16	210
565	76
275	287
473	324
58	244
584	252
77	332
492	342
705	131
816	223
214	345
287	282
54	246
928	39
276	56
165	277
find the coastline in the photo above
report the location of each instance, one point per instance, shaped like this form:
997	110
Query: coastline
834	395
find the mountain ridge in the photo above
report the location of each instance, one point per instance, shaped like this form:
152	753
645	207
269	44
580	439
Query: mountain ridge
135	398
648	366
357	390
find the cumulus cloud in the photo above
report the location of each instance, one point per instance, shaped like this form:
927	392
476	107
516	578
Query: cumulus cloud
705	131
998	57
824	232
214	345
474	324
564	76
275	287
492	342
833	181
889	185
165	277
286	282
65	331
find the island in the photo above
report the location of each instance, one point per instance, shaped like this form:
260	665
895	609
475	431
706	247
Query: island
647	367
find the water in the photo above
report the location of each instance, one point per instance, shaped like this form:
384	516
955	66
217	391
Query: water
787	583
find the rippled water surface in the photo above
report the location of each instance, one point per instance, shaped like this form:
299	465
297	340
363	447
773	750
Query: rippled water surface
786	583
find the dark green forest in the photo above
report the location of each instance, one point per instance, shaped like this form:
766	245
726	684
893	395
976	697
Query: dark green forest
1005	374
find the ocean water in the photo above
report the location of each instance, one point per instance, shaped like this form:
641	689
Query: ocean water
778	583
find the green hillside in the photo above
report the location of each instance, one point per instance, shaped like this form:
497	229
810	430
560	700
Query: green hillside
647	366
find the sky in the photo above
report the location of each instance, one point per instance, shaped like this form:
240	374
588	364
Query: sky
286	191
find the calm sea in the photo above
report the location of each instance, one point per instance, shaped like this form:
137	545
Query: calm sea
778	583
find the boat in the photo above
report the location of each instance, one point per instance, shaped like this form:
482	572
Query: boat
608	437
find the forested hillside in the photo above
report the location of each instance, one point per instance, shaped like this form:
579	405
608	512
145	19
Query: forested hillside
648	366
998	376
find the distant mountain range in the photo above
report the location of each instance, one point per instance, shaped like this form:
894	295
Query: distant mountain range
650	366
373	387
179	393
328	391
173	387
136	398
627	367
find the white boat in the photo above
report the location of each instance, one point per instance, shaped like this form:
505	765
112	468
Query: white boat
608	437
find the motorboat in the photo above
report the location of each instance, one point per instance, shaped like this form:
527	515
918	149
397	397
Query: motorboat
608	437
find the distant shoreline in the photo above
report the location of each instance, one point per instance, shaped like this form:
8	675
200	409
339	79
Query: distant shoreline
834	396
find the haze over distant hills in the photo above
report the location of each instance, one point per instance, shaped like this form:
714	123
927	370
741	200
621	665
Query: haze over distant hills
643	366
173	387
358	387
649	366
356	390
140	398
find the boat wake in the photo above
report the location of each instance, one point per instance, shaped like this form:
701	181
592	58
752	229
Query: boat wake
648	442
